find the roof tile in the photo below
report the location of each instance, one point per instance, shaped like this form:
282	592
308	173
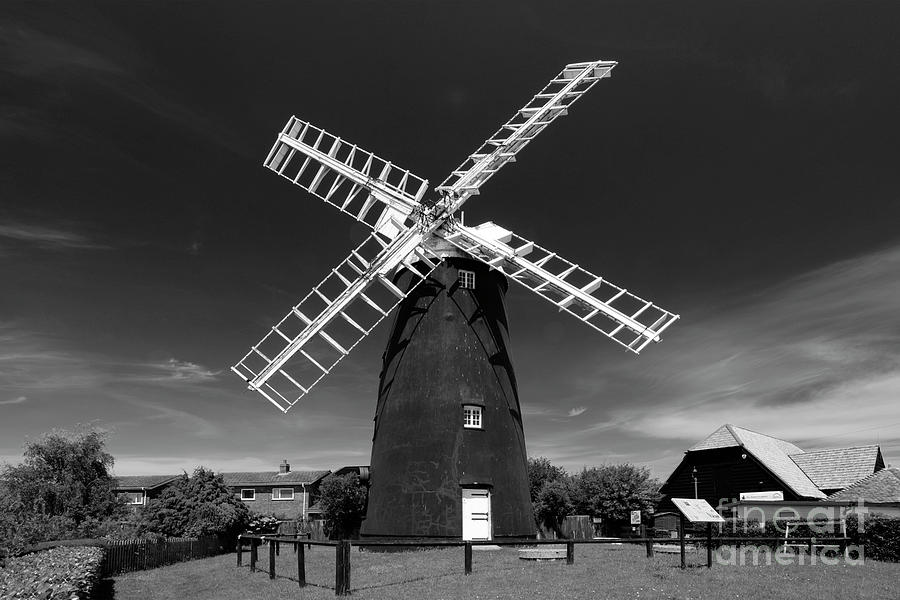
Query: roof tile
838	467
720	438
883	486
143	481
272	477
775	455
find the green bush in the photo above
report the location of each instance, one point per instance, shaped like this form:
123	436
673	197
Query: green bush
55	574
343	502
738	528
262	524
61	490
879	536
195	506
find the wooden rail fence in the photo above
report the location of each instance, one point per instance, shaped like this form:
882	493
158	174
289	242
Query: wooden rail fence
342	550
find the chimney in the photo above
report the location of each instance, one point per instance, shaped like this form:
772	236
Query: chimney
284	467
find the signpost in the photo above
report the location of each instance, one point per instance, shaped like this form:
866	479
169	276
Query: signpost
696	511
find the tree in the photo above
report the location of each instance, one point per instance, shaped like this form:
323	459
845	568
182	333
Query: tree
343	502
193	506
540	471
613	491
62	489
554	503
551	493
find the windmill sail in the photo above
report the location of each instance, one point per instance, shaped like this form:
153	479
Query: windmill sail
620	315
333	318
501	148
339	312
344	175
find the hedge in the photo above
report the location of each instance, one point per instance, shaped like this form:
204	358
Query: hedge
879	536
55	574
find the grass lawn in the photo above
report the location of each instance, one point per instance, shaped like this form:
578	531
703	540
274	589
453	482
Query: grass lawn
598	572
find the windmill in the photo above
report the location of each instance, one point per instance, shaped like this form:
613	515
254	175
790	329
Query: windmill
448	455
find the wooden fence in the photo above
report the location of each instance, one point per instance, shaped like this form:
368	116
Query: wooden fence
123	556
343	554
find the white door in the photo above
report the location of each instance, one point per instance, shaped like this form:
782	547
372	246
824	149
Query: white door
476	514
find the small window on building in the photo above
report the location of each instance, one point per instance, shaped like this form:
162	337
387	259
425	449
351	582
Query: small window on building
133	497
248	494
467	279
472	416
283	494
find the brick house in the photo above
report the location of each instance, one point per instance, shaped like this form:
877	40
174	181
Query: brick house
284	493
138	489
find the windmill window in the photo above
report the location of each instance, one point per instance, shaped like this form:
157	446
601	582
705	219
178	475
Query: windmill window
248	494
283	494
472	417
467	279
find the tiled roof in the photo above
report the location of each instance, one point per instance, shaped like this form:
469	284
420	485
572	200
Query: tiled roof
143	481
273	477
720	438
883	486
806	473
838	467
775	455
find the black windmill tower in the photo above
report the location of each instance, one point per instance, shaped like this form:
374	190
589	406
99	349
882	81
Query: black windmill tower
448	455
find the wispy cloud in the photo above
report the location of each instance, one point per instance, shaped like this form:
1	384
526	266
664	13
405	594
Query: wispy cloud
163	411
99	58
18	400
31	361
171	371
579	410
46	237
807	359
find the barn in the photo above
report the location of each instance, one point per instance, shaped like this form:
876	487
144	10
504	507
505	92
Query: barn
733	461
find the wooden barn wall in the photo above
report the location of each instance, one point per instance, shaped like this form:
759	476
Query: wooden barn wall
721	476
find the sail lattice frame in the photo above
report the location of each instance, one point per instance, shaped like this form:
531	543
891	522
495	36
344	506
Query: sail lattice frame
625	318
500	149
344	175
330	321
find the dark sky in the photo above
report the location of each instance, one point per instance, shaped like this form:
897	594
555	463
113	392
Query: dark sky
739	168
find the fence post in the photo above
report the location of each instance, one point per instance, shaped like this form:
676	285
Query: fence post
301	564
240	551
709	551
570	552
811	550
681	541
468	558
254	551
338	570
342	568
271	559
347	566
649	542
277	548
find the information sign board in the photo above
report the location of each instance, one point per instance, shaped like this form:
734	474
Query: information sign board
697	510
